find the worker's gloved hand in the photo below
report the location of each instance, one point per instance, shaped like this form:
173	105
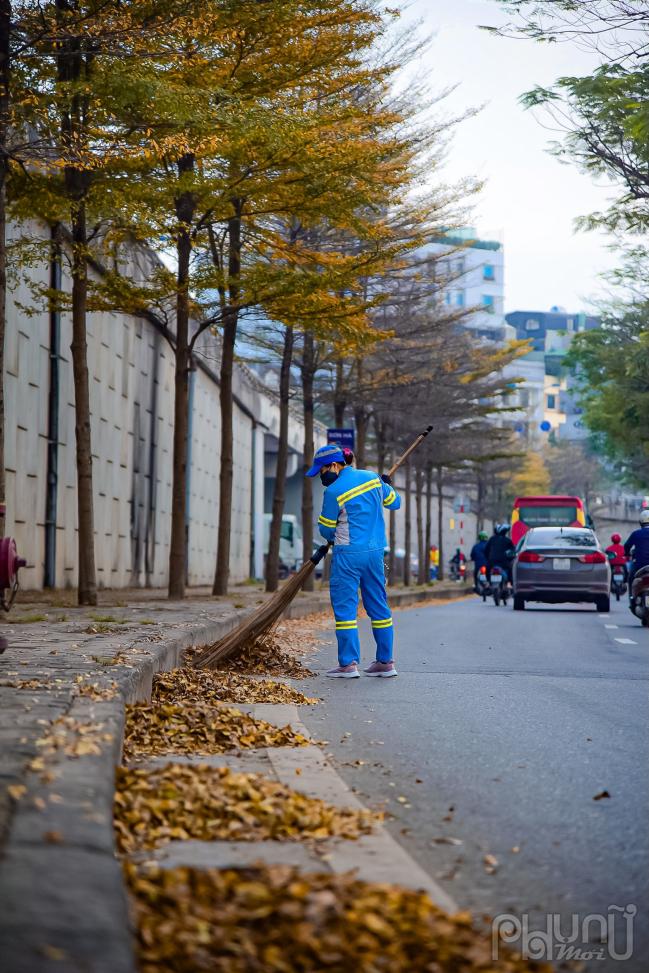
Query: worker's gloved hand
386	478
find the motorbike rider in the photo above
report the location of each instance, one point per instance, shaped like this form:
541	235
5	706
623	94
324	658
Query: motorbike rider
499	551
478	556
636	547
615	553
455	562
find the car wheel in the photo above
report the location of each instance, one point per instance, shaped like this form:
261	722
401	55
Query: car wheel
519	603
603	603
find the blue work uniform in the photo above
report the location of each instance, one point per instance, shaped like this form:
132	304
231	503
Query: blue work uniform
478	555
352	517
637	547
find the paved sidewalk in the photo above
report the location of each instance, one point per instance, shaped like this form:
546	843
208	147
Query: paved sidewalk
64	680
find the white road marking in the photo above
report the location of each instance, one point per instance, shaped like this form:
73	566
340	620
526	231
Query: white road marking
611	626
603	616
626	641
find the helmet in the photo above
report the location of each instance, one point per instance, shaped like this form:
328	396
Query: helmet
483	535
502	529
644	518
616	538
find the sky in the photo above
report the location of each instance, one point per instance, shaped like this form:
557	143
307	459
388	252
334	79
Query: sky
530	200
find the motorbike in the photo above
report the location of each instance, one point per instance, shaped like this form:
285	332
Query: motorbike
639	603
499	584
482	583
618	581
457	572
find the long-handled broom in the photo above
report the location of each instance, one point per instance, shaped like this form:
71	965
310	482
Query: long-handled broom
271	611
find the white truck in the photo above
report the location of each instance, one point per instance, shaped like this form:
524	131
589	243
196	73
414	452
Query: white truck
290	544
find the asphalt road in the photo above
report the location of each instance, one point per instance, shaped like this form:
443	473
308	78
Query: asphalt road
499	732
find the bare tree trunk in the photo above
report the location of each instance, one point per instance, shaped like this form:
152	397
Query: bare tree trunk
360	422
380	443
429	517
272	561
5	37
440	521
340	403
481	499
72	64
308	372
178	544
360	419
230	322
419	496
408	526
86	535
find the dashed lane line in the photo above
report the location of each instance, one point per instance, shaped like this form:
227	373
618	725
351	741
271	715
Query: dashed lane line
626	641
611	626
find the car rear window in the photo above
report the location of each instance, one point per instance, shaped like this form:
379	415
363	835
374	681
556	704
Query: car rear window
547	516
549	537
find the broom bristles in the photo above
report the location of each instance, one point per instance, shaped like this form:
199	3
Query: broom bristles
258	623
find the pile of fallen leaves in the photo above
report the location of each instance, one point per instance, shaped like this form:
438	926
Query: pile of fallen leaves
267	657
278	920
199	729
204	685
181	801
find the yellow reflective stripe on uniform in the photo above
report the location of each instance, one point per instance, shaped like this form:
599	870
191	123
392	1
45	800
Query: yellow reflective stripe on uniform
390	497
346	624
386	623
361	488
326	522
357	491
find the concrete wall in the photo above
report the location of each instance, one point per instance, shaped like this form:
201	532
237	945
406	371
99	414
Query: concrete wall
132	392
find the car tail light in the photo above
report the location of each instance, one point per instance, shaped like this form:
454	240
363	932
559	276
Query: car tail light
530	557
595	558
483	570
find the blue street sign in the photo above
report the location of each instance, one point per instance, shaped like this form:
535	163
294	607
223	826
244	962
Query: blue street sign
545	426
343	437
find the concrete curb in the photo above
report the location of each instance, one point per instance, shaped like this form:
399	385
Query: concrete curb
63	905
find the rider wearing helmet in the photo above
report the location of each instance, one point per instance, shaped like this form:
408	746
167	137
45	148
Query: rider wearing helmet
478	556
637	547
615	553
500	550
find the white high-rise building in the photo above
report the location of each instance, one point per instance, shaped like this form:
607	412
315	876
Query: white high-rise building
471	275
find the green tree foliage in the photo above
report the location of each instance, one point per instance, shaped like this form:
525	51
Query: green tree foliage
613	371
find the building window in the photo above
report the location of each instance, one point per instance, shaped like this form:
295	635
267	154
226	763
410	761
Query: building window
532	325
488	272
459	266
488	303
448	298
552	399
459	298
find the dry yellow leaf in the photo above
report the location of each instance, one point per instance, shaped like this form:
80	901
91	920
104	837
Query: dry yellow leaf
209	803
279	920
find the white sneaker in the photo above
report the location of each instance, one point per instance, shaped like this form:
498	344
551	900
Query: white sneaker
384	670
344	672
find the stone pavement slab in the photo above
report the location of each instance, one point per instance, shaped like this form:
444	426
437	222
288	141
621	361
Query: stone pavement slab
64	680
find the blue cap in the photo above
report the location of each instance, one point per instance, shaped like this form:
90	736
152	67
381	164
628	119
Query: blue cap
332	453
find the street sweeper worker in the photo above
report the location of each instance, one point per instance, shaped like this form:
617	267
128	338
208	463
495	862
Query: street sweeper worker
352	519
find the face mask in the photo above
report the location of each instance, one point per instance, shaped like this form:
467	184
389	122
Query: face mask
328	478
